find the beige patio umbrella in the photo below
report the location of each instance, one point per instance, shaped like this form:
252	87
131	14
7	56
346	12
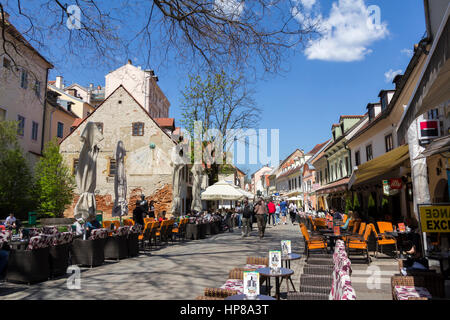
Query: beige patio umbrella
86	176
197	173
222	190
120	184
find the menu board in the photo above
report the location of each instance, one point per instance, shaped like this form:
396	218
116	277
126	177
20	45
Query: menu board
401	227
251	284
285	247
275	260
337	230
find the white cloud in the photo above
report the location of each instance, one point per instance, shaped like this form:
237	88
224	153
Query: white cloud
230	8
347	32
390	75
308	4
408	52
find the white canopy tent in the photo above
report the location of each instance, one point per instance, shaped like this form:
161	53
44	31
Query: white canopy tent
222	191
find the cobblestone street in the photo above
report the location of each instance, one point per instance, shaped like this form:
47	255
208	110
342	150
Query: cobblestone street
183	270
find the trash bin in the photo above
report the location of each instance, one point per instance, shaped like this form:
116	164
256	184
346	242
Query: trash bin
32	216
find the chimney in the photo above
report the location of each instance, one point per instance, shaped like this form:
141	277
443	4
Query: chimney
397	80
59	82
99	87
91	86
129	61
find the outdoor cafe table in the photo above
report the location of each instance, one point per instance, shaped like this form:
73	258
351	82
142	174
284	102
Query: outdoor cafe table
284	273
288	258
244	297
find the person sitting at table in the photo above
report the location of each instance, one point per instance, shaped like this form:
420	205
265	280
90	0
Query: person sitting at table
12	223
162	216
414	260
91	225
4	255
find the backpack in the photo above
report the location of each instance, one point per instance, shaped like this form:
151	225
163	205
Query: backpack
247	211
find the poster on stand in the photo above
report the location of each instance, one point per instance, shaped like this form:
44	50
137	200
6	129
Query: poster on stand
285	247
275	260
251	284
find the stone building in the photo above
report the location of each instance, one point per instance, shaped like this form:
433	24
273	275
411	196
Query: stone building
148	153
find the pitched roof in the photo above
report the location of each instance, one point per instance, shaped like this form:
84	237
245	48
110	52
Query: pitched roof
19	37
351	117
101	104
317	148
165	122
77	122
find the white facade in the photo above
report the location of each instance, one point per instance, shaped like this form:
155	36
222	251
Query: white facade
142	86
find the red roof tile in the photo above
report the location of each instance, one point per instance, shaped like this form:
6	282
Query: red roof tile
165	122
77	122
317	148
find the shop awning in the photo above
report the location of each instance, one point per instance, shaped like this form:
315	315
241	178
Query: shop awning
439	145
379	165
337	186
433	87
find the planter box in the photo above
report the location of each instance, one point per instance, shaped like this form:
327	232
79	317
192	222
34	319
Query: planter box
133	244
59	259
28	266
56	221
88	252
116	247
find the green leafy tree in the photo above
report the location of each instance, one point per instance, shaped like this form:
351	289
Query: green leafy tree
223	107
54	181
356	205
371	207
16	179
348	205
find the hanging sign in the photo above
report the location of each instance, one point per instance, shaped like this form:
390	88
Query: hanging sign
395	183
386	188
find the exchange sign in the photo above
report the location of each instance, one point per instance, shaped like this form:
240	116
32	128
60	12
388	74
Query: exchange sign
435	218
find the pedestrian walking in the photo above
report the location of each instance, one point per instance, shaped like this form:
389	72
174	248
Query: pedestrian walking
260	212
271	208
283	207
238	211
247	211
277	213
292	212
138	214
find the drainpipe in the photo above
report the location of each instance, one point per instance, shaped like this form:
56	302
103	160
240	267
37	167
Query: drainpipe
45	107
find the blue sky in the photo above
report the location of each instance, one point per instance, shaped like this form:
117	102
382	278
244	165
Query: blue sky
304	102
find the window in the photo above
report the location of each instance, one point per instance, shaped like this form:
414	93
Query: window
342	128
340	169
37	88
347	171
74	166
24	79
6	63
369	154
334	135
384	103
289	184
433	114
100	126
389	142
371	113
112	167
357	158
21	126
2	114
138	129
34	131
60	132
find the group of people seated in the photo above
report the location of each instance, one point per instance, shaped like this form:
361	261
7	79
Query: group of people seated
11	223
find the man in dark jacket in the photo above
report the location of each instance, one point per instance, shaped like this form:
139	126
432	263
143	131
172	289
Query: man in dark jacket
247	212
138	214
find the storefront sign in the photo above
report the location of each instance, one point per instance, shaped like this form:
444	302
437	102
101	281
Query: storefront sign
435	218
386	187
395	183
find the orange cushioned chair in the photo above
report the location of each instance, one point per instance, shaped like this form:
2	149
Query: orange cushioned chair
128	222
360	243
383	240
312	243
384	226
320	223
